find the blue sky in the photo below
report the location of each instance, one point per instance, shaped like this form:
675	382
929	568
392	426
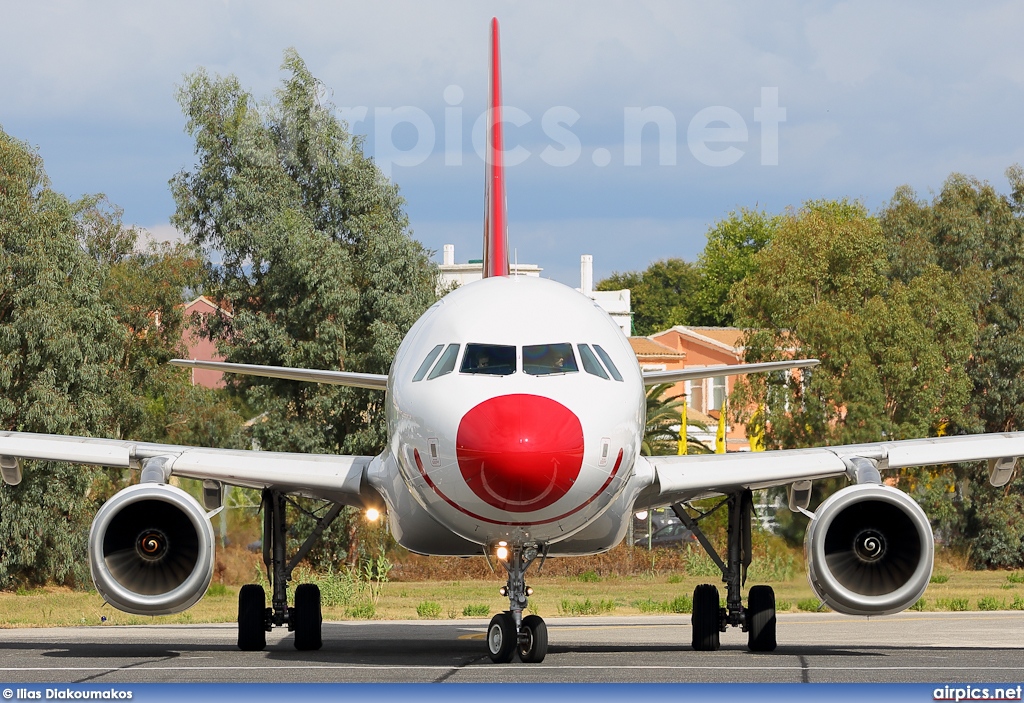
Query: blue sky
875	95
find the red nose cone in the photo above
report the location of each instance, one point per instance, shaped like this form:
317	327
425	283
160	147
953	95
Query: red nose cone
520	452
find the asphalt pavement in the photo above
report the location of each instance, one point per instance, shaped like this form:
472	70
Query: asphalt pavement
813	647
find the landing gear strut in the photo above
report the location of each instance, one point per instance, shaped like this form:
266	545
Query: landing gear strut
255	620
509	633
709	618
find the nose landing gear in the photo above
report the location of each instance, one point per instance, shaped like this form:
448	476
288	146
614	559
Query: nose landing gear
509	633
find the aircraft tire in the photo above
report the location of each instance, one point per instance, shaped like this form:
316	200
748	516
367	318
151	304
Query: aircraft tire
705	618
252	608
761	619
535	647
308	618
502	638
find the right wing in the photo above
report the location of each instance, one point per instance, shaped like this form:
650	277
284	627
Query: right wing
341	479
376	381
687	477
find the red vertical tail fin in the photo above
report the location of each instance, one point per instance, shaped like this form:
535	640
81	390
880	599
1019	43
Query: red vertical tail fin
495	224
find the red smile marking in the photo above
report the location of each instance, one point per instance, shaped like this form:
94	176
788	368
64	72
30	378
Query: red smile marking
520	453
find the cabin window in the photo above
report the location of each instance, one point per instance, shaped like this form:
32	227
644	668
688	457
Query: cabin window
590	363
545	359
447	363
489	359
425	366
608	362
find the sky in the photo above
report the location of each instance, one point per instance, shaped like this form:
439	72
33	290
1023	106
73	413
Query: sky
637	125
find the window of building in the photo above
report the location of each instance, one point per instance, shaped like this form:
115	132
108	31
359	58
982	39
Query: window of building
425	366
718	392
545	359
696	395
609	364
489	359
590	363
447	363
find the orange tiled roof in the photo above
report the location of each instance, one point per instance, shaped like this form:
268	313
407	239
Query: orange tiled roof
647	347
731	336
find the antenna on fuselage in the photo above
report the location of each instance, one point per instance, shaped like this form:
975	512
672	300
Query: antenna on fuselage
495	224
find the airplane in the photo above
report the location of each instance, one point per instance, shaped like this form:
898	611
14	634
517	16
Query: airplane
515	413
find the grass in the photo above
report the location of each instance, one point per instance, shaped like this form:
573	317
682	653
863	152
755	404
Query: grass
648	592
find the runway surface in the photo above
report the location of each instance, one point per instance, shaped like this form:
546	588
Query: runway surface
918	647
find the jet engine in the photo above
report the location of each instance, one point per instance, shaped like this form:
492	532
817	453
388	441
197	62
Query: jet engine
151	550
869	551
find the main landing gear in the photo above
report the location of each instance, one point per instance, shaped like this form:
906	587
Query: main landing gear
709	618
509	633
255	620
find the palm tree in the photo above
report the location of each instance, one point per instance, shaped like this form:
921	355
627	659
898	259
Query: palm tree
661	433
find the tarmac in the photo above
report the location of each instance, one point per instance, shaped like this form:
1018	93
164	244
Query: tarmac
971	647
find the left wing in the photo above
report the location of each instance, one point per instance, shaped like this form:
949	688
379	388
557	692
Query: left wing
653	378
683	478
341	479
376	381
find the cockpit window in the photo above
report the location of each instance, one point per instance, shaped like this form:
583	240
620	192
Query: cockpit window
608	362
425	366
489	359
544	359
447	363
590	363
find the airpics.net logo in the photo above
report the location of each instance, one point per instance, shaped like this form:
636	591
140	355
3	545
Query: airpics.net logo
716	136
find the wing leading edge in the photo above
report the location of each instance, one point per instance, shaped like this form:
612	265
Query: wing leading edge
375	381
682	478
341	479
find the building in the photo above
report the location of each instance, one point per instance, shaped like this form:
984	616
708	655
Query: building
454	275
616	303
697	347
199	347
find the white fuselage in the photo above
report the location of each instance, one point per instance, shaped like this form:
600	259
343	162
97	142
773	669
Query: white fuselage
515	412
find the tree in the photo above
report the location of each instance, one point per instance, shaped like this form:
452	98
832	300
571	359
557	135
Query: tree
892	353
57	339
661	296
727	258
976	236
316	260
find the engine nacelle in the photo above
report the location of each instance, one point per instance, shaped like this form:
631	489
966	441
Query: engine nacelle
869	551
151	550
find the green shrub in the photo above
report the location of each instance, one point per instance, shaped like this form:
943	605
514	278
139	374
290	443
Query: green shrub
589	577
675	578
1017	604
698	563
681	604
217	590
939	578
783	606
1015	577
362	611
429	610
810	605
989	603
477	610
920	605
954	604
585	607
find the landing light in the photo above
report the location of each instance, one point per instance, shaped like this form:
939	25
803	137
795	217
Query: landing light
642	515
502	553
372	514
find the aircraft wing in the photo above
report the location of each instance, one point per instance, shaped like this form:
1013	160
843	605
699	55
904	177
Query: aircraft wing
377	381
682	478
337	478
653	378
